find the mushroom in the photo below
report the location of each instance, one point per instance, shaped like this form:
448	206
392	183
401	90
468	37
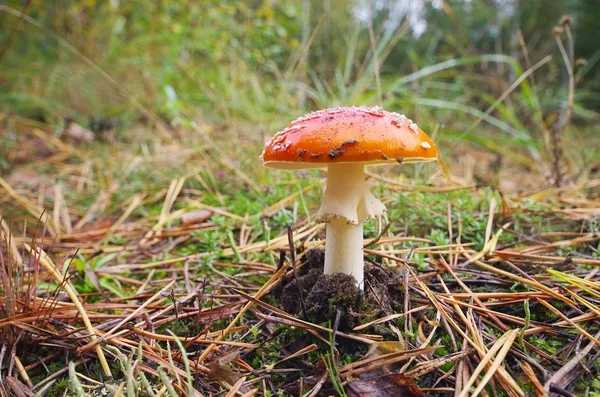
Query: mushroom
345	140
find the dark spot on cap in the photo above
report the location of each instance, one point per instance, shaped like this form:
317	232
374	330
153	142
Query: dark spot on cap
338	151
383	156
328	118
316	155
400	159
301	152
333	153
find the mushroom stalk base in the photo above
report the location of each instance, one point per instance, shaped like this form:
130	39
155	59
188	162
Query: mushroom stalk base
344	249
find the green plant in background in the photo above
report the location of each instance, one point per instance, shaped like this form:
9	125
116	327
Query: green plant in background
155	52
247	64
92	281
245	59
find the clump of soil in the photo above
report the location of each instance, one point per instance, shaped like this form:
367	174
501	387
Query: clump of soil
324	295
333	292
385	289
288	293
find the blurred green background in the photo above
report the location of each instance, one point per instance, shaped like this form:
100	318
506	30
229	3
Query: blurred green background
486	72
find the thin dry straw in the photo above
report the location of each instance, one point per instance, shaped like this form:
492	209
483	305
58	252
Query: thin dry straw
47	263
501	347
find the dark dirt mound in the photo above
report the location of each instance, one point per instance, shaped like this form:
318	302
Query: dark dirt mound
333	292
324	295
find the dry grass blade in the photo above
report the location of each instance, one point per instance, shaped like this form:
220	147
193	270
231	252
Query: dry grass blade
165	212
361	367
166	338
390	317
592	287
236	387
101	202
135	201
474	341
60	214
404	187
274	208
256	296
564	376
494	295
593	308
533	284
528	371
544	258
7	236
298	353
484	310
586	238
431	365
116	328
437	304
500	349
47	263
490	223
22	372
33	209
568	320
489	246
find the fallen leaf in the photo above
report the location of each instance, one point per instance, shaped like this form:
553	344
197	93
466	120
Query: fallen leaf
390	385
196	217
78	133
25	179
380	348
221	372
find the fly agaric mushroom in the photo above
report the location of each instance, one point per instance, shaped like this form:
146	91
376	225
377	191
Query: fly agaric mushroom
345	140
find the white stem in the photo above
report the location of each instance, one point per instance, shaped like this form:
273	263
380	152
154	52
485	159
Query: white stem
347	196
346	204
344	249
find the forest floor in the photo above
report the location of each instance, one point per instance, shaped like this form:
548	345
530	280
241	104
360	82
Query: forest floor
172	267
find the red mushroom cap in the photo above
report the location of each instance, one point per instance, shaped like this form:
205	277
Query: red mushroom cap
367	135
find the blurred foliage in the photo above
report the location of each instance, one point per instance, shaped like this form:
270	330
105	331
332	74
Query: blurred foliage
225	60
149	50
